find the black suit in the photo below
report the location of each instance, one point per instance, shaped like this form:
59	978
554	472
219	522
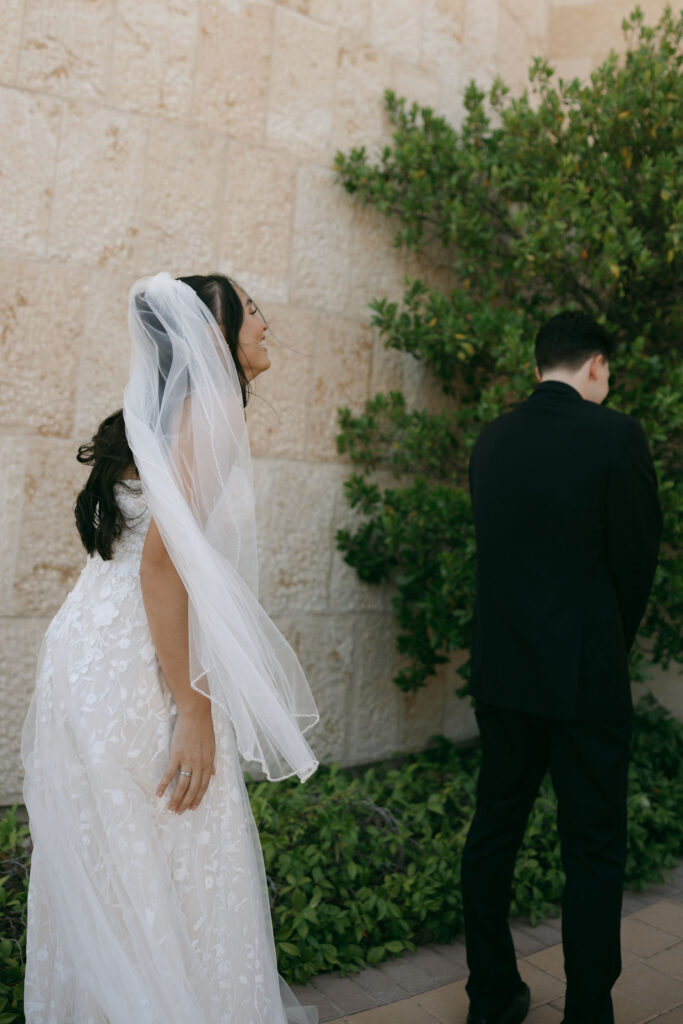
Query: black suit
567	526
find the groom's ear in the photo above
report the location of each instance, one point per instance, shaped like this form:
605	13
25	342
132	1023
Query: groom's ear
538	374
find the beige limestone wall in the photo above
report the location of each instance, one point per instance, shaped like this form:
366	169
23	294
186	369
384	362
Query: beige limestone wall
193	135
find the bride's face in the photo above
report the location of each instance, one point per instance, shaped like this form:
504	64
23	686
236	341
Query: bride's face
252	352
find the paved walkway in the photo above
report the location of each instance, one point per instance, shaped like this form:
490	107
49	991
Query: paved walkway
428	986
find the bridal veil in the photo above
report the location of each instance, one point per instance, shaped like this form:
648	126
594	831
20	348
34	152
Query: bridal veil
185	423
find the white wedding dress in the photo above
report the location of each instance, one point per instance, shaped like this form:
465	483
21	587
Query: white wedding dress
137	915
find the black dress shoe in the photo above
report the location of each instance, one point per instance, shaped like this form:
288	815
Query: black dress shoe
514	1012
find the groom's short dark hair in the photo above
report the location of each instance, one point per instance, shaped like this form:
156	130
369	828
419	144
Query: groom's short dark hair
568	339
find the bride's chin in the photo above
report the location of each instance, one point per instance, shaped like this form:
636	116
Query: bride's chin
255	371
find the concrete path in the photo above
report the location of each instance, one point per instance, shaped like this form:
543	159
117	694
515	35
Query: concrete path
428	986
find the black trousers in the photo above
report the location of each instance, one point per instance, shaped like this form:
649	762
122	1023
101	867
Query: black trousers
588	763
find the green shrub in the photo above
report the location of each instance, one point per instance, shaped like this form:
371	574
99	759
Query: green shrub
655	831
14	866
362	866
570	198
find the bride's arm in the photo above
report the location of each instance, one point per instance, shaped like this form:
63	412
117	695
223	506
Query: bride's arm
193	745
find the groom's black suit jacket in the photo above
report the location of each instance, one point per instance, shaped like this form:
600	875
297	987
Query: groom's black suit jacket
567	527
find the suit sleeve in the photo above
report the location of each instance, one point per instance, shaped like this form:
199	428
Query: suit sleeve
634	526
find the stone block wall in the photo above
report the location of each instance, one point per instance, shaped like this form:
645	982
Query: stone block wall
193	135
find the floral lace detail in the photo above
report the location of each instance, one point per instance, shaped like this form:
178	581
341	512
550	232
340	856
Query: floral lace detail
135	913
104	613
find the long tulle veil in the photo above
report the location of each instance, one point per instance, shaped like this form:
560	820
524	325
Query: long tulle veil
185	424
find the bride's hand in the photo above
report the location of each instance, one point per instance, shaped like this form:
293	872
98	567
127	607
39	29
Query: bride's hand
193	747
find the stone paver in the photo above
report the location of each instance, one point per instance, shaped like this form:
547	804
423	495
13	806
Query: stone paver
406	1012
543	933
626	1011
441	966
653	989
455	952
343	992
447	1003
550	960
632	902
545	988
525	943
408	975
673	1017
665	915
670	961
643	938
544	1015
313	996
381	987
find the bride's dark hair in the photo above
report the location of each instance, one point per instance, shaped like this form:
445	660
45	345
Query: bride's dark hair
98	517
219	293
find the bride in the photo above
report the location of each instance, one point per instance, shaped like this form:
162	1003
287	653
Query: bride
148	900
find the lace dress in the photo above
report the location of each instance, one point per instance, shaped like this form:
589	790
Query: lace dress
136	915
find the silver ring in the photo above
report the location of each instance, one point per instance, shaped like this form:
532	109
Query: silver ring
181	772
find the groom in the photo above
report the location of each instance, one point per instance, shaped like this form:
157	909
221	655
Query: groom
567	526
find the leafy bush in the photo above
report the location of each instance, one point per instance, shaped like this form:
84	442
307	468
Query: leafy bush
569	198
362	866
14	866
